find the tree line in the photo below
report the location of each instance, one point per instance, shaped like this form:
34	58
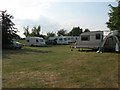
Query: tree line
35	32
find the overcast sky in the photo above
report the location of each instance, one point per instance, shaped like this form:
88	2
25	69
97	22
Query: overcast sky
53	15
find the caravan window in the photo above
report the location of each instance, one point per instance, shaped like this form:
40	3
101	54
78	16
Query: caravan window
36	40
28	41
41	40
97	36
68	38
85	38
55	39
65	39
60	39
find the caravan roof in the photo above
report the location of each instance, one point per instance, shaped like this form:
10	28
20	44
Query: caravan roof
35	37
90	33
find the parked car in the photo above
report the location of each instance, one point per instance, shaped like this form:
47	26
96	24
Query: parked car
16	45
13	45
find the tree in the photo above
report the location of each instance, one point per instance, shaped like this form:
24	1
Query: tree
114	18
26	31
43	36
87	30
50	34
61	32
8	29
76	31
36	31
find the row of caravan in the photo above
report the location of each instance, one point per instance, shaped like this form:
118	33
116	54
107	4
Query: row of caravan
92	40
64	39
39	41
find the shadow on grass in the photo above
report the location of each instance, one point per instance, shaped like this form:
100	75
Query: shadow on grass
53	45
7	52
97	50
87	50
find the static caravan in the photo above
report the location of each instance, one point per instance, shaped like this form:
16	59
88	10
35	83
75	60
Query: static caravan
59	39
91	40
34	41
52	38
62	40
72	39
75	38
51	41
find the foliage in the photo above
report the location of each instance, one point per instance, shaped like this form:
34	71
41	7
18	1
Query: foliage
50	34
76	31
87	30
36	31
43	36
26	31
8	29
114	18
61	32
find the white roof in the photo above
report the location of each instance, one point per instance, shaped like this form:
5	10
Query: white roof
91	32
34	37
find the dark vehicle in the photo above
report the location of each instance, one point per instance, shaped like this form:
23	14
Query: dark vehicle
14	45
51	42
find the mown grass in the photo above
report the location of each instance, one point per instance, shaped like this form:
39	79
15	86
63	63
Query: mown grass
58	67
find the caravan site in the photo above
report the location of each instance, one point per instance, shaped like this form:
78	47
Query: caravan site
59	44
56	66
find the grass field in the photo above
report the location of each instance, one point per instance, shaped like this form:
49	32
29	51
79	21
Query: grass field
58	67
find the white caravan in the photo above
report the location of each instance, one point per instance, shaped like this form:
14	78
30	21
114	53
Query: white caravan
91	40
59	39
69	38
62	40
52	38
72	39
75	38
34	41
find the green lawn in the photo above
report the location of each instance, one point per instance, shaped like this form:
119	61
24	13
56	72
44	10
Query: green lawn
58	67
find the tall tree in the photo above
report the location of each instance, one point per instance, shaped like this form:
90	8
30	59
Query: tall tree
87	30
61	32
8	29
76	31
36	31
114	18
50	34
26	31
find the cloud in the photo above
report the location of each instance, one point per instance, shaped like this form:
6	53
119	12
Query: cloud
24	9
29	12
47	25
34	12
